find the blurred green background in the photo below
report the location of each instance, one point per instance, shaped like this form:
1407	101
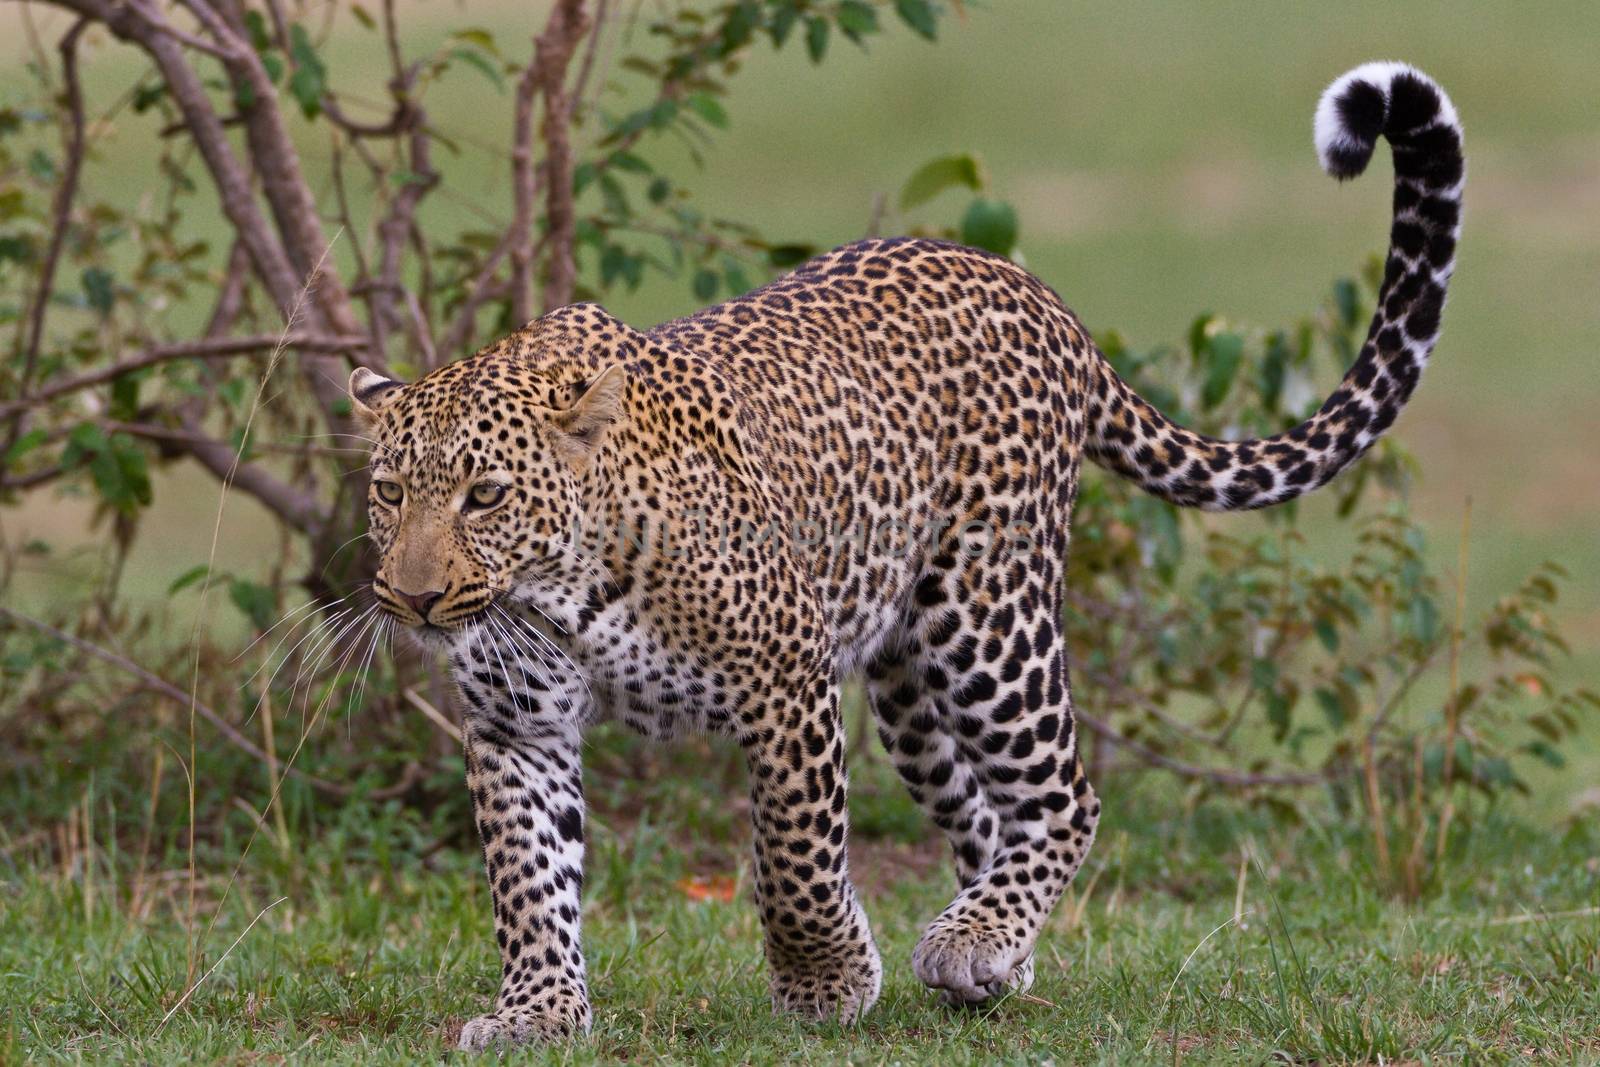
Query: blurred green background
1160	158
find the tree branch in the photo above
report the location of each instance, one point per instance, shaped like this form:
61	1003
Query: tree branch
395	229
72	167
524	191
294	208
215	348
1216	775
553	50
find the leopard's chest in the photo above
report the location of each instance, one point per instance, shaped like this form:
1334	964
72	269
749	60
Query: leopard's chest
632	675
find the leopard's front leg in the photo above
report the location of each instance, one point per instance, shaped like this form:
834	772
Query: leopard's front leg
527	798
819	947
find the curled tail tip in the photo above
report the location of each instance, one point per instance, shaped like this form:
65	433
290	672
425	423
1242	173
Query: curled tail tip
1375	99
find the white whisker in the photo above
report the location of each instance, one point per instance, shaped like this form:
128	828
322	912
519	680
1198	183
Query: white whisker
292	613
315	635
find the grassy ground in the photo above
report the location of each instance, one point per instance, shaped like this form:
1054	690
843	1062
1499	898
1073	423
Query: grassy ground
1197	933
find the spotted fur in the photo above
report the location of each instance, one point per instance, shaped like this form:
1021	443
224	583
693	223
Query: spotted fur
764	446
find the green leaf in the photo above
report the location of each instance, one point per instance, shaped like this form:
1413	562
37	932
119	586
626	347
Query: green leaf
255	23
1278	710
310	80
991	225
146	97
1547	752
188	578
612	264
706	106
116	465
18	249
1274	366
1347	298
1223	354
255	601
789	255
937	175
24	444
662	114
125	398
1263	673
629	162
84	439
1424	620
1199	330
41	166
479	62
739	25
918	14
735	278
856	19
480	37
1332	707
1326	633
97	286
705	283
781	24
616	200
364	17
816	38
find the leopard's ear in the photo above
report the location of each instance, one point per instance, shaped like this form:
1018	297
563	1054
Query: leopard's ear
580	427
369	391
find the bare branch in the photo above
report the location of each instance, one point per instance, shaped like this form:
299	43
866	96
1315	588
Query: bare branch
230	298
395	229
294	209
391	38
524	191
155	432
485	289
580	89
1216	775
72	167
188	40
215	348
553	51
30	481
297	507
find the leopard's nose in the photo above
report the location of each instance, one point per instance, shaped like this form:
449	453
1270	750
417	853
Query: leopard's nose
421	603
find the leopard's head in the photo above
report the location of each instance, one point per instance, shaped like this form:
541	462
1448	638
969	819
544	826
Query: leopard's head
475	487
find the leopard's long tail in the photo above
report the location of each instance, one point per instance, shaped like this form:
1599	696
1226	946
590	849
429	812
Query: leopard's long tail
1129	436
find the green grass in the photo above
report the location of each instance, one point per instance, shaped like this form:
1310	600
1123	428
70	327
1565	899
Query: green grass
364	951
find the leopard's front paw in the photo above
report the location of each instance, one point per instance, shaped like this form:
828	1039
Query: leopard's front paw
520	1026
1020	980
969	962
842	989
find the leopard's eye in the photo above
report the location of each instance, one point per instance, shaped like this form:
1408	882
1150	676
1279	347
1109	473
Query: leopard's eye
389	492
485	495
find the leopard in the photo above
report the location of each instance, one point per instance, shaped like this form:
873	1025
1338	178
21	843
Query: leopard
928	408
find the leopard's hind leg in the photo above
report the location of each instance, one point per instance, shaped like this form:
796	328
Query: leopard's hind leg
911	725
977	708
